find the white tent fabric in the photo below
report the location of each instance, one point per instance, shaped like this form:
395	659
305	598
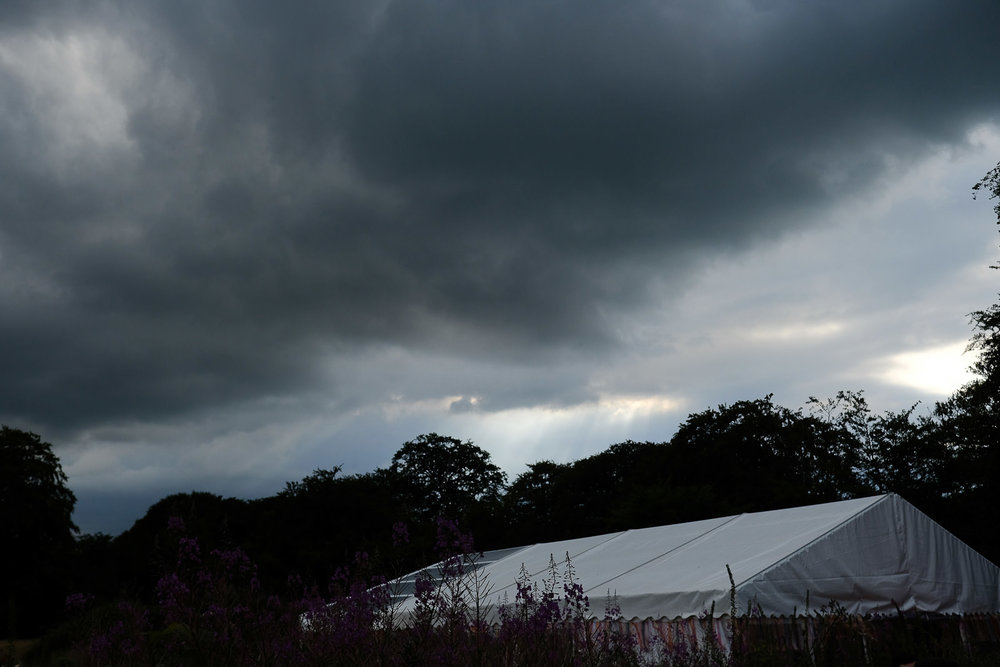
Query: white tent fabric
868	555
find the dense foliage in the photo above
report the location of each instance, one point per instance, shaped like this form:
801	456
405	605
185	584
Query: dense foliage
36	508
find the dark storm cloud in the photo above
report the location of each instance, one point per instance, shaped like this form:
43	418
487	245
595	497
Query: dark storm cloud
488	180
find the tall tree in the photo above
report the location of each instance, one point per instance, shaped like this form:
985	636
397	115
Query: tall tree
758	455
530	503
144	550
36	508
983	392
443	476
969	421
892	452
320	523
599	493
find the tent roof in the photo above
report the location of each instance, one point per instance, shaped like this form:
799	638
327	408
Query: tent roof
866	554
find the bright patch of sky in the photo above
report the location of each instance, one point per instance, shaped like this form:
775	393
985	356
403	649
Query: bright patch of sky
936	371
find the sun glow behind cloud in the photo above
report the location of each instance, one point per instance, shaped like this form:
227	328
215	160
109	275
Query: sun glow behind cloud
938	370
564	433
796	331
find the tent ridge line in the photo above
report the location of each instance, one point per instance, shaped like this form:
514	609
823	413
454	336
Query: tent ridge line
877	501
679	546
612	536
440	563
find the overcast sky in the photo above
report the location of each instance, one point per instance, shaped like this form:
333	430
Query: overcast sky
240	239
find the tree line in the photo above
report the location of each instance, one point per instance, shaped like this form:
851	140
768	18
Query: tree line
751	455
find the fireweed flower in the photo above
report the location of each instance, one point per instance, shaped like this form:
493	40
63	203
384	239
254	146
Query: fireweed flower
77	602
400	534
188	550
175	524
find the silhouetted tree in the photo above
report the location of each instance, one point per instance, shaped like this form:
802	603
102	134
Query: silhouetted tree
758	456
94	568
530	503
443	476
968	423
592	495
36	525
320	523
143	551
897	451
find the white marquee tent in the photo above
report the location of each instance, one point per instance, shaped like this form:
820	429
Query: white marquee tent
866	554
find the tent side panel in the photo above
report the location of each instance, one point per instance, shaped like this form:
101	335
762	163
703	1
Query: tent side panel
890	554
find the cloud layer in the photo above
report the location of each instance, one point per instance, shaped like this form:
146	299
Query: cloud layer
221	220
